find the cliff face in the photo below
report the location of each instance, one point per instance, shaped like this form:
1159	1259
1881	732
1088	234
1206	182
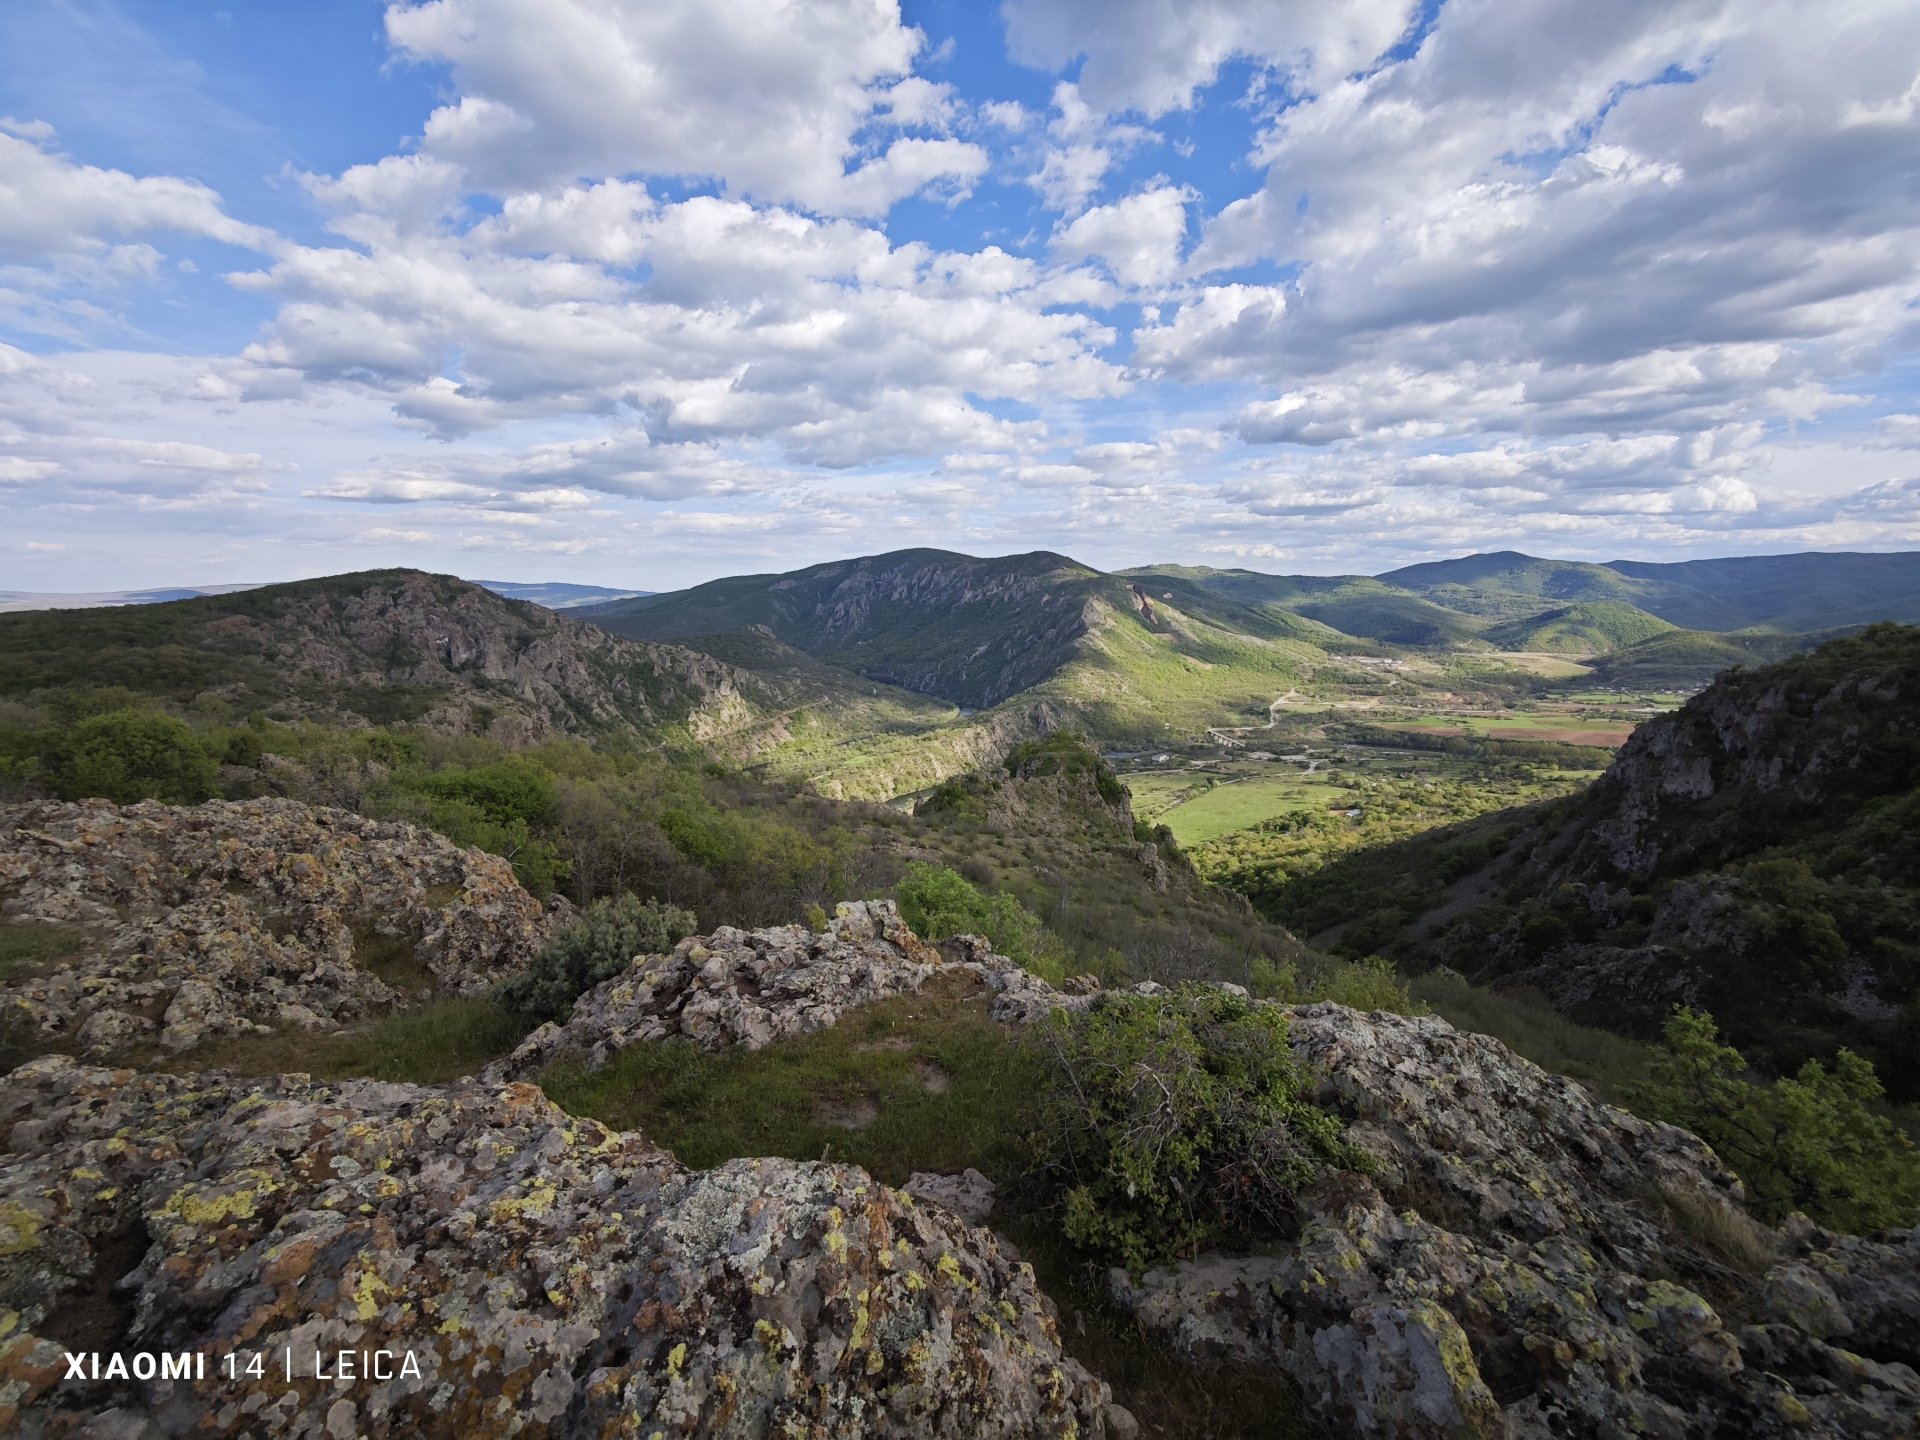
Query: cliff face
541	672
969	631
1757	853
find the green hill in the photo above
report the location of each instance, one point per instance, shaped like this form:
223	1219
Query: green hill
1594	627
1128	656
1786	593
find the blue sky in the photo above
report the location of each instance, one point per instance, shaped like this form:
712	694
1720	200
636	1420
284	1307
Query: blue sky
648	293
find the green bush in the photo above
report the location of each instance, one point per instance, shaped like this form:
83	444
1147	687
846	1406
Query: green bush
1812	1142
1171	1122
597	947
128	755
1368	984
938	903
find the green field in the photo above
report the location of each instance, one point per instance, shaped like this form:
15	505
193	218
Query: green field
1200	805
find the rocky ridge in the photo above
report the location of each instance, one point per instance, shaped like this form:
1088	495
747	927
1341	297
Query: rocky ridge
241	916
1507	1270
547	1276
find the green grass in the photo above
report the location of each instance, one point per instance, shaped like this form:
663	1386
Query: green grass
785	1099
1240	804
27	945
709	1108
429	1044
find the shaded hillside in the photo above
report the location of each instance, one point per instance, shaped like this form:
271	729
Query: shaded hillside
1756	853
1593	627
1352	605
969	631
1687	659
380	646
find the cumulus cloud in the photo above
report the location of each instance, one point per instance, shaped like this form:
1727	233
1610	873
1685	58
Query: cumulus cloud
1151	55
1139	239
769	98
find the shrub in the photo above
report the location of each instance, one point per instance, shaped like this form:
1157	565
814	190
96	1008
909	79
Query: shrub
1171	1122
128	755
1811	1142
597	947
937	903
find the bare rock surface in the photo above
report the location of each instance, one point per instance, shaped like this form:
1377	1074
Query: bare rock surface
239	916
547	1276
1503	1273
738	987
968	1194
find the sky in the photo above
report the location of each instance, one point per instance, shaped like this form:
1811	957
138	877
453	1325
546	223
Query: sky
646	292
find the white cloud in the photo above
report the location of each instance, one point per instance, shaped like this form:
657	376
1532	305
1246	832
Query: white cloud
52	207
1139	239
769	98
1151	55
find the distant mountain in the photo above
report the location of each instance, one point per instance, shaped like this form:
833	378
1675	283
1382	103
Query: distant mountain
1784	593
383	645
558	594
12	600
1123	656
1593	627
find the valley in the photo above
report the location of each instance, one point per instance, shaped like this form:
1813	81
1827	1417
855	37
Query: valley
827	907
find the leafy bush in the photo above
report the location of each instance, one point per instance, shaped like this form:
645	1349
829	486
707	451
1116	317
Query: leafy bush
937	903
597	947
1811	1142
1172	1122
128	755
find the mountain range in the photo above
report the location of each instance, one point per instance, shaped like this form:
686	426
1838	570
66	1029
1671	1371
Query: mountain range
881	675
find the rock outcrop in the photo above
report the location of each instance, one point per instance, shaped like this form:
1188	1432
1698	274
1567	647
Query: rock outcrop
1506	1271
738	987
233	917
522	1272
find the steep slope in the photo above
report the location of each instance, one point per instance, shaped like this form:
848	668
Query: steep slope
1756	853
969	631
1123	657
383	646
1349	605
1594	627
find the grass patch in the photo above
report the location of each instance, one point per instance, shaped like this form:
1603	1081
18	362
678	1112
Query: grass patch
393	958
1602	1061
785	1100
428	1044
27	946
709	1108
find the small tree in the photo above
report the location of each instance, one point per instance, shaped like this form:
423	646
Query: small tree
128	755
1170	1122
937	903
595	948
1811	1142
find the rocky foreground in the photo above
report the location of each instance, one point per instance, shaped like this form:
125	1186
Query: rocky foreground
1513	1267
236	917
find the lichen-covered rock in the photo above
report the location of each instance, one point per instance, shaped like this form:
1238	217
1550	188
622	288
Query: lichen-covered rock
233	917
525	1273
968	1194
740	987
1503	1273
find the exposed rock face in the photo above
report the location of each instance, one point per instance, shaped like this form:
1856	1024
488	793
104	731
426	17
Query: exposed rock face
1503	1274
968	1194
233	917
750	988
547	1276
550	672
